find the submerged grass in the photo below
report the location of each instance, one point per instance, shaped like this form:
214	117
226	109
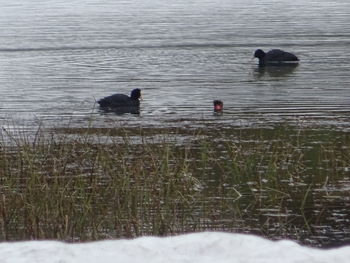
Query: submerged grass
90	184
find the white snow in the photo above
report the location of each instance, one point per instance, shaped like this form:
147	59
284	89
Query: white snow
206	247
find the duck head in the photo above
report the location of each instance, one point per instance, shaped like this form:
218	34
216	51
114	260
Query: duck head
260	54
136	94
218	105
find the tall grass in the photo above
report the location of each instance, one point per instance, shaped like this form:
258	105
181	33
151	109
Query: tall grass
89	184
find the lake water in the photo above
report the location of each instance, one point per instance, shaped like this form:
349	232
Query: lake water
57	57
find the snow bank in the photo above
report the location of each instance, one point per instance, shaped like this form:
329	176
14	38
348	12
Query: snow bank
207	247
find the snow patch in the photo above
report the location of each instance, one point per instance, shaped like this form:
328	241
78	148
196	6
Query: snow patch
206	247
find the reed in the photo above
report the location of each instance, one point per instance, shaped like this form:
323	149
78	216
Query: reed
90	184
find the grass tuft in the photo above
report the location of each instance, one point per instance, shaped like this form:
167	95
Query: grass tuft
91	184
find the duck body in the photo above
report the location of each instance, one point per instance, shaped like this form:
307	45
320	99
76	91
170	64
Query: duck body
121	100
274	56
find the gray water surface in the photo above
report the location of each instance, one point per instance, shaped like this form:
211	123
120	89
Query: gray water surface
58	57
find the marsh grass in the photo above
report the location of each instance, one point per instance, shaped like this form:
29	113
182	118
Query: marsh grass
93	183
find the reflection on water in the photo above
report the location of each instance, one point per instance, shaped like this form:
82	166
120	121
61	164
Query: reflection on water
121	110
275	71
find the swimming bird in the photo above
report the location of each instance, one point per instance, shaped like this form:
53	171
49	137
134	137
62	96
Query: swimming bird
218	105
274	56
121	100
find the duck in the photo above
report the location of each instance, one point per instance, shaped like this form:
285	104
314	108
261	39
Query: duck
274	56
121	100
218	105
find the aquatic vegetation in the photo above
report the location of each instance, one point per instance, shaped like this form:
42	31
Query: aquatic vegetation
94	183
